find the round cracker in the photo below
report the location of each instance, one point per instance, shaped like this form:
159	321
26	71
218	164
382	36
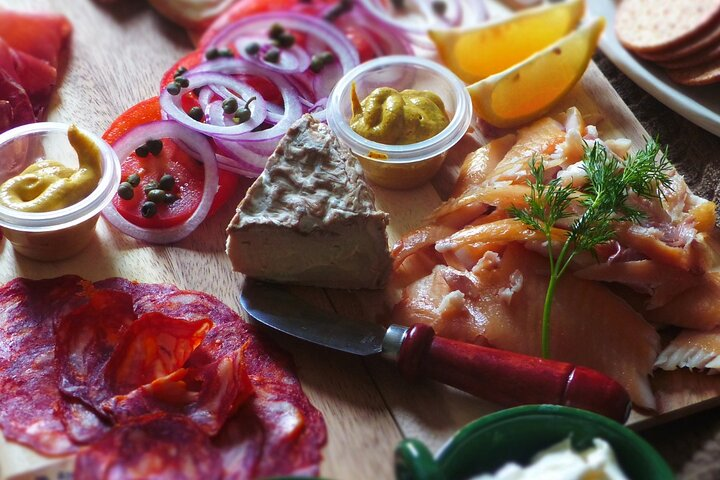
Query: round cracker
707	40
699	58
656	25
704	74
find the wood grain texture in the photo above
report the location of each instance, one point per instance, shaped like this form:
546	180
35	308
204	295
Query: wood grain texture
117	58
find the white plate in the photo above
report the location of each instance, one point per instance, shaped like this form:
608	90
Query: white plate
700	105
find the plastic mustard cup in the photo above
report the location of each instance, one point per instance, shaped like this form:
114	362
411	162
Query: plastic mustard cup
401	166
62	233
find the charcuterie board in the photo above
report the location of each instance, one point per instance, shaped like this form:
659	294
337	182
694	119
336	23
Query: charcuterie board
118	54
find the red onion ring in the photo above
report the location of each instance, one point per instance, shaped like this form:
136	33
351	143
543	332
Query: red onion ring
196	144
292	60
172	106
344	51
291	101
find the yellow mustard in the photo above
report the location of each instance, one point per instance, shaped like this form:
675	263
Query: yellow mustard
398	117
49	185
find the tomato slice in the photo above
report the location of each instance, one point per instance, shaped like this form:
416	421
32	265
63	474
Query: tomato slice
188	173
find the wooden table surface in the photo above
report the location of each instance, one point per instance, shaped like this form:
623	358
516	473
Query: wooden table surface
118	56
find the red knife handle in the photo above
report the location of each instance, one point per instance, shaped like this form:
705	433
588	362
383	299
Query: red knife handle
509	378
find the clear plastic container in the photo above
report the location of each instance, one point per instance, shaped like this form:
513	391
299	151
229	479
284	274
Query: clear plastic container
61	233
401	166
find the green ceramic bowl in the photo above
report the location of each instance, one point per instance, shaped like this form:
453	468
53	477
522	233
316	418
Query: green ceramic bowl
516	435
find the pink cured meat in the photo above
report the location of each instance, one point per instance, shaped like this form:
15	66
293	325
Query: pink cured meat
256	441
15	106
152	447
42	35
37	77
30	404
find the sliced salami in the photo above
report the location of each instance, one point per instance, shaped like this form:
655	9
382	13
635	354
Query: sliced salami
86	338
167	370
278	431
153	447
30	404
208	395
155	345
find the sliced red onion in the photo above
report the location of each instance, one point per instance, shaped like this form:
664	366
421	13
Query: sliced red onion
319	36
292	107
172	106
313	27
292	60
243	154
196	145
238	167
457	13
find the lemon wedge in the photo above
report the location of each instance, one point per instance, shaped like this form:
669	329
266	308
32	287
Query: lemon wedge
474	53
530	88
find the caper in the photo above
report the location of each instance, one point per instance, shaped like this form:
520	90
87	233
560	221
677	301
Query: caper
180	71
212	54
286	40
316	64
167	182
242	115
398	4
142	151
230	105
170	198
154	146
196	113
125	191
151	185
272	55
439	7
252	48
173	88
326	57
226	52
182	82
156	196
133	180
276	30
148	209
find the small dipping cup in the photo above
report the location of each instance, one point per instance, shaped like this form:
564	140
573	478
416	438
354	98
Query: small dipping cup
57	234
401	166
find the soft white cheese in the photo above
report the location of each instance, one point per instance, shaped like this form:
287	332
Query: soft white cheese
562	462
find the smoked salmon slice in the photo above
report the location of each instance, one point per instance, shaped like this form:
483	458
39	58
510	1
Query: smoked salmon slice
502	305
694	350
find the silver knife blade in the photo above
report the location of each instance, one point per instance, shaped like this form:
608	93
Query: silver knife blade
273	305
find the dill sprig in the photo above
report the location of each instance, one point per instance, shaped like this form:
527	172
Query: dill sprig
602	201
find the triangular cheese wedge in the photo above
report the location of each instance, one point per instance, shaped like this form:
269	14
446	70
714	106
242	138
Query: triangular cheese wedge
310	218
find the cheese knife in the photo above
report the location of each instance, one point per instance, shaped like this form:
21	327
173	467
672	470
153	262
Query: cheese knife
502	377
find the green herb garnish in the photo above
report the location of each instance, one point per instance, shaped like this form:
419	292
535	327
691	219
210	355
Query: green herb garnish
603	201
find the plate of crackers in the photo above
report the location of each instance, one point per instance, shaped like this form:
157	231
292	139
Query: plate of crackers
670	48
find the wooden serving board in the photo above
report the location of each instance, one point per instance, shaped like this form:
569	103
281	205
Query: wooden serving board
118	55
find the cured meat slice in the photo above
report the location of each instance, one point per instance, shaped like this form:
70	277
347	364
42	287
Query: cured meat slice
86	339
208	395
41	35
82	424
30	402
15	106
37	77
151	447
278	432
153	346
254	442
